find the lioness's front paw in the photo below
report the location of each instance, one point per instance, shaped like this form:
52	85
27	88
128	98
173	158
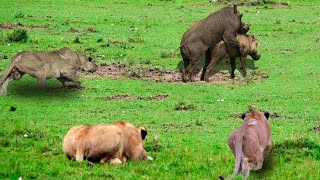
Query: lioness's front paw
115	161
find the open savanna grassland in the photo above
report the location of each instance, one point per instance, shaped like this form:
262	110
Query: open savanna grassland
188	129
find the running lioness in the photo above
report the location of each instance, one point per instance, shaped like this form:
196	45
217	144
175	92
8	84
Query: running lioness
250	143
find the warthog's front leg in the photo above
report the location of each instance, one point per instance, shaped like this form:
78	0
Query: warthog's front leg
70	80
210	69
207	62
41	81
233	67
243	60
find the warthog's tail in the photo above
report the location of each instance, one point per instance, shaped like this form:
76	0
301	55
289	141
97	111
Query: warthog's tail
6	74
174	53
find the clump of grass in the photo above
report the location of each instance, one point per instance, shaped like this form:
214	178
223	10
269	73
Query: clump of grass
165	54
76	40
90	49
135	40
19	15
100	40
153	146
18	35
4	142
184	106
198	122
147	61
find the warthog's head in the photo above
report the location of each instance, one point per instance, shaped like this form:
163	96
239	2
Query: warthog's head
244	28
254	48
87	64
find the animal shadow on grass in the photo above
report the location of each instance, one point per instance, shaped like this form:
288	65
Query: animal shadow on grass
28	87
224	65
288	150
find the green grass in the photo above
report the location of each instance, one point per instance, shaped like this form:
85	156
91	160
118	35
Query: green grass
192	124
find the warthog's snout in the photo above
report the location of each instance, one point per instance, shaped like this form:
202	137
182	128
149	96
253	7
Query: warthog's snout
93	70
255	56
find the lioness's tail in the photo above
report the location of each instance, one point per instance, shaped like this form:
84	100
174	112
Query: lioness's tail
239	155
6	74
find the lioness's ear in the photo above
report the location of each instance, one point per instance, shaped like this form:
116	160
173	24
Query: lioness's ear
267	114
243	116
143	132
90	59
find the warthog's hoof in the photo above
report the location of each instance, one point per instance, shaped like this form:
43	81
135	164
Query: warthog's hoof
71	84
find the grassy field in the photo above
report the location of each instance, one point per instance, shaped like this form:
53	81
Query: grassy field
192	143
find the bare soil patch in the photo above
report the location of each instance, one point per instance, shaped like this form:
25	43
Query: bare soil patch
20	25
125	97
317	129
122	71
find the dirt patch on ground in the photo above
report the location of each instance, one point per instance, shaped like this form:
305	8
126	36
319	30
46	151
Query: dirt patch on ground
317	129
125	97
222	77
88	30
20	25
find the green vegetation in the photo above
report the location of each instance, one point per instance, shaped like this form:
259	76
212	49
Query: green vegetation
188	130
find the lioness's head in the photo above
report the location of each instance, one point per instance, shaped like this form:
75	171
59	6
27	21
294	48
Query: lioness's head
255	114
87	64
135	140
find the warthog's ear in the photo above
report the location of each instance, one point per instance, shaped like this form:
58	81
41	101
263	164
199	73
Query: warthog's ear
143	132
235	8
243	116
90	59
241	15
267	114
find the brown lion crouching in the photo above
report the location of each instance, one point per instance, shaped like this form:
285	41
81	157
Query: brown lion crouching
249	45
250	143
62	64
112	143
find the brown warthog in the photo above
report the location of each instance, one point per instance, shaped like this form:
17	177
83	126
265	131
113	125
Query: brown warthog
62	64
112	143
205	34
249	45
250	143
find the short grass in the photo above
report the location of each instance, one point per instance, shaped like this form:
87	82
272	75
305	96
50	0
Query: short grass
192	142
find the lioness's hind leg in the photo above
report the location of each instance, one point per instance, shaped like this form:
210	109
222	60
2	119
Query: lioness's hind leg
245	168
4	86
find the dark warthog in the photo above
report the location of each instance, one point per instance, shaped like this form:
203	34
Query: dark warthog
205	34
250	143
249	45
62	64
